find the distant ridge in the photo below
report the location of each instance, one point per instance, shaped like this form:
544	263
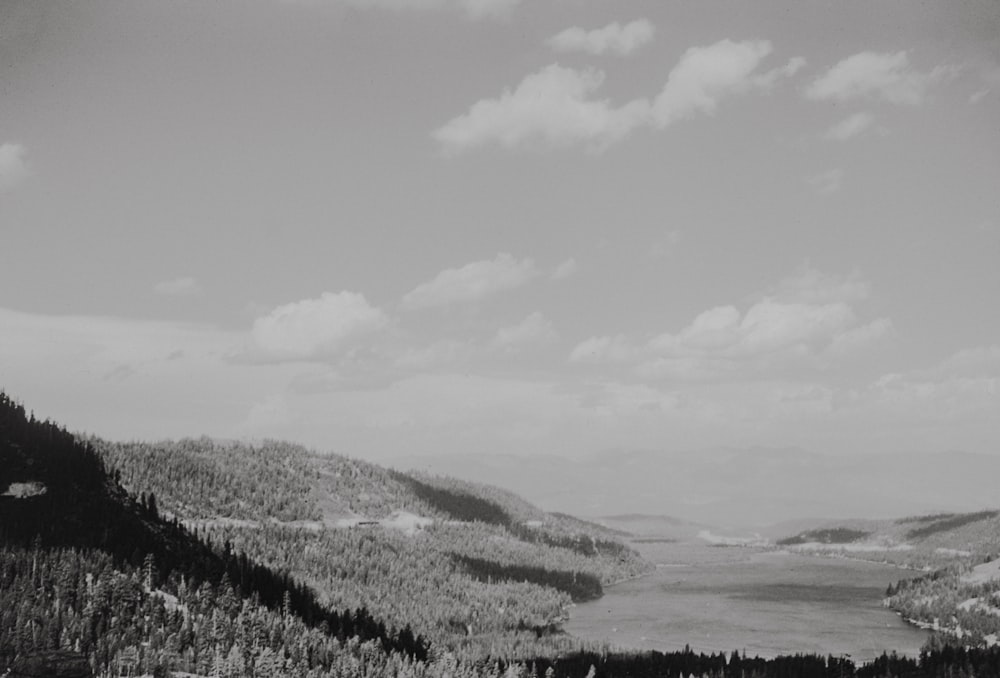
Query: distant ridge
751	488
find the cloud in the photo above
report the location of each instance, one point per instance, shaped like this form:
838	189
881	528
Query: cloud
614	349
809	285
850	126
707	75
979	362
12	166
978	96
443	352
806	320
471	282
875	75
479	9
766	327
962	390
860	337
665	245
178	287
827	182
614	38
475	9
315	328
552	107
555	107
768	335
533	330
565	270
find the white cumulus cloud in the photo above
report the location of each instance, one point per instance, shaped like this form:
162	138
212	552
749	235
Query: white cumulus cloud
886	76
707	75
12	165
315	328
861	336
534	329
614	38
807	320
471	282
766	327
851	126
557	107
553	106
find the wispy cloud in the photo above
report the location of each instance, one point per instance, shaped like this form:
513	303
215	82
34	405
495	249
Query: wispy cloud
608	349
556	107
963	387
613	38
442	352
535	329
475	9
13	168
860	337
978	96
471	282
826	182
809	285
665	245
851	126
314	329
885	76
178	287
565	270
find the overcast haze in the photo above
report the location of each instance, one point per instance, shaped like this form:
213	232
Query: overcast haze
395	227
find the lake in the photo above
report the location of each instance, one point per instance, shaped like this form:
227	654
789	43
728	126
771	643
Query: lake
764	602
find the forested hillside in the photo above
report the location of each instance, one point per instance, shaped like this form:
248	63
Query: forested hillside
961	603
96	573
483	570
101	575
958	597
916	542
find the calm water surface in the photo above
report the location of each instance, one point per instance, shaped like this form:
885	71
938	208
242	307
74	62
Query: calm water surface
767	603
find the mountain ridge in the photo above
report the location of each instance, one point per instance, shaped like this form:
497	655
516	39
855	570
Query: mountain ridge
747	487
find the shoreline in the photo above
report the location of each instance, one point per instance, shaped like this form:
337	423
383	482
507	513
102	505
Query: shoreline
631	627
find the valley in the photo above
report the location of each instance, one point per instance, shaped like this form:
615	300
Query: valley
764	601
200	557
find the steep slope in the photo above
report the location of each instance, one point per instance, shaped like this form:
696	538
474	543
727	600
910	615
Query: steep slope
80	596
483	570
84	566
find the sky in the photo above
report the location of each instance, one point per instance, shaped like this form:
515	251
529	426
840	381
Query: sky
403	227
